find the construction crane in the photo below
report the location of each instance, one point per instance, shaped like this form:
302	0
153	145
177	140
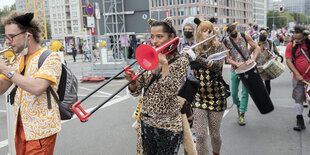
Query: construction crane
37	7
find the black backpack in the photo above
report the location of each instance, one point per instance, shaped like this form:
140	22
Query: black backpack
67	89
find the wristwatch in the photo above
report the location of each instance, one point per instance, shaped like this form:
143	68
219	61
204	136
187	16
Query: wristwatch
10	74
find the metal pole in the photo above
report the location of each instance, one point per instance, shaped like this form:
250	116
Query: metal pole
98	35
10	123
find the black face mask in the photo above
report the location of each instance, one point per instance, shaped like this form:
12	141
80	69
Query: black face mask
234	35
262	37
188	34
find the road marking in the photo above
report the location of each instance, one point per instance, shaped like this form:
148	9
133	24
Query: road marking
5	142
83	95
98	91
2	110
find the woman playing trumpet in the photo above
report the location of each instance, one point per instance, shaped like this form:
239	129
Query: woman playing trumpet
210	101
160	121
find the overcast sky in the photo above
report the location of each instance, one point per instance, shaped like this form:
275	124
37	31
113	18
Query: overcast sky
6	2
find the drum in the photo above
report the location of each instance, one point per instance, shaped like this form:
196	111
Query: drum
256	88
272	69
244	68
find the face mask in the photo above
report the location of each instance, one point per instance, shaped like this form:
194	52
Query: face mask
262	37
188	34
234	35
25	50
299	43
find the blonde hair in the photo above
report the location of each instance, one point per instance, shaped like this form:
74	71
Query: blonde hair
204	25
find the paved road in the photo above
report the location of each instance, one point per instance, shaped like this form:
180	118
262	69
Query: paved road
109	132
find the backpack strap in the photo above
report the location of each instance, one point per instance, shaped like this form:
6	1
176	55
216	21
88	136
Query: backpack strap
49	90
43	56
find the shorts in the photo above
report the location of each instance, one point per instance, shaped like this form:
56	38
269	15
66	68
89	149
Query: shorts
298	91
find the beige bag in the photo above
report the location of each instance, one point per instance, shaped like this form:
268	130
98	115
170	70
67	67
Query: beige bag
188	142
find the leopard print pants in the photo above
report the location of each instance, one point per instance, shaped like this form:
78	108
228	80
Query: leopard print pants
202	120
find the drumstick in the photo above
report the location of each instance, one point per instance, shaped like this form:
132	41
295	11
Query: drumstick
307	70
304	81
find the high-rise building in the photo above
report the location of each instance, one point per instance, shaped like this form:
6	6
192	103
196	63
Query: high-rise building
21	6
260	13
225	11
299	6
65	17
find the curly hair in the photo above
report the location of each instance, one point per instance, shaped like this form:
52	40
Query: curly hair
204	25
34	26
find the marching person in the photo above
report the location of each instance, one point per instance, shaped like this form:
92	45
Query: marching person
238	43
85	49
36	124
210	102
268	51
296	54
188	27
161	123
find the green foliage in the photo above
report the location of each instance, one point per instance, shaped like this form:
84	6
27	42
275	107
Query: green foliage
49	31
3	13
281	19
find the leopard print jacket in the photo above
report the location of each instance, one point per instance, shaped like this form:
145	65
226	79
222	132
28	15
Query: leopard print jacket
161	96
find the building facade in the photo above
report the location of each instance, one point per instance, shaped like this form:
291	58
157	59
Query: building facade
21	6
260	13
225	11
65	17
298	6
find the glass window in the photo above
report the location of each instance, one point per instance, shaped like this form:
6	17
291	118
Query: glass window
170	2
182	12
180	2
171	12
193	11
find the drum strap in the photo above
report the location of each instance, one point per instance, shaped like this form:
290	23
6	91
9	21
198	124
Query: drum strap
238	49
304	53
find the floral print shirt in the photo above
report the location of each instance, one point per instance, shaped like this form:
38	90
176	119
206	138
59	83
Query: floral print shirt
38	121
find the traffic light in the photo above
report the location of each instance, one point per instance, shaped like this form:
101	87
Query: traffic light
281	9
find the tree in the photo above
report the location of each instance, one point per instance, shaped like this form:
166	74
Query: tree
3	13
49	30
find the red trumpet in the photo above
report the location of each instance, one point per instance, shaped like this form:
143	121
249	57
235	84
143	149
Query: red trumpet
147	56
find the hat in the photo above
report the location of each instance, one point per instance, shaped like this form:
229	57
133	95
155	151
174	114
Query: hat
230	26
189	21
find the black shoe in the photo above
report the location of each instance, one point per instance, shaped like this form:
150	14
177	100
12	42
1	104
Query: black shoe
300	123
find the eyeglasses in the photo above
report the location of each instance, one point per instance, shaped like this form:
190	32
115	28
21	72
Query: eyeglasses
11	37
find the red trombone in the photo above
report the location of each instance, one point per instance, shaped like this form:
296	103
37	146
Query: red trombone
147	58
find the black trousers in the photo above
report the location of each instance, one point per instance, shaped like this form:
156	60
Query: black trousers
157	141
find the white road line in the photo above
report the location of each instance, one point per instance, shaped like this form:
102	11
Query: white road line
226	112
83	95
98	91
2	110
104	106
5	142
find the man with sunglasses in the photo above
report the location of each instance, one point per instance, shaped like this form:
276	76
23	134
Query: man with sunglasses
238	43
297	59
36	124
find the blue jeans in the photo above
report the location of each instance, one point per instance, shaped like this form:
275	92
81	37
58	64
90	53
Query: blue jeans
234	79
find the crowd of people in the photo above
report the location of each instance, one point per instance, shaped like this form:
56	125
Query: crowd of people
160	127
